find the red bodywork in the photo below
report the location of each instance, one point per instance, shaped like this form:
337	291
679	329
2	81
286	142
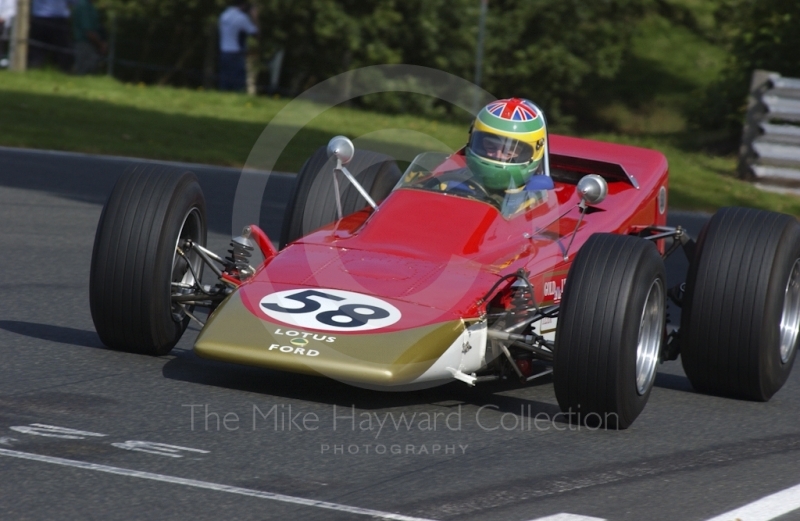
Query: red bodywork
434	255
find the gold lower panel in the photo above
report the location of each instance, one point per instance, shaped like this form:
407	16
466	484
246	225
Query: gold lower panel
234	334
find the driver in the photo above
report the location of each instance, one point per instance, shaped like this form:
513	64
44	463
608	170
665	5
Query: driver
507	147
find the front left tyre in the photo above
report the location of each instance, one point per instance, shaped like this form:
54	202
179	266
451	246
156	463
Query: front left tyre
137	262
610	330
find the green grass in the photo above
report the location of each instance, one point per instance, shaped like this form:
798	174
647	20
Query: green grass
49	110
699	181
99	115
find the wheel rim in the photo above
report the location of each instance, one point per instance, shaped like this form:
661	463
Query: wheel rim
650	336
191	230
790	318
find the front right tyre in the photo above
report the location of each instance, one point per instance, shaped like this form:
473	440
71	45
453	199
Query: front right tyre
137	263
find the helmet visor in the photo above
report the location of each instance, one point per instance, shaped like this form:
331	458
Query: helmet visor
500	148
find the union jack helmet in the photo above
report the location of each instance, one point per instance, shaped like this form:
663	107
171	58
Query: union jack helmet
507	143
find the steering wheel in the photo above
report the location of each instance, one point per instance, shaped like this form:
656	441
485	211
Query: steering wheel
456	183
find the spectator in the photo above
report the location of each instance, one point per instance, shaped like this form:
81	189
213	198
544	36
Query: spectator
87	33
50	33
8	8
234	27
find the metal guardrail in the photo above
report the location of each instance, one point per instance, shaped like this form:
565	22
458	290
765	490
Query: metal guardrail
770	149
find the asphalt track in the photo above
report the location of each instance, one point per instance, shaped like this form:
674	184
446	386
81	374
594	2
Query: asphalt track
178	437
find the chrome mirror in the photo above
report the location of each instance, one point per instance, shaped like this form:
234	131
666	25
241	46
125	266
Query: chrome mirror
593	189
342	148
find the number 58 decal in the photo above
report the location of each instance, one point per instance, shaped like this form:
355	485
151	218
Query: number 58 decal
329	310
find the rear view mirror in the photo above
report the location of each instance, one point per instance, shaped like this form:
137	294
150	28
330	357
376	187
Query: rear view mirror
593	189
342	148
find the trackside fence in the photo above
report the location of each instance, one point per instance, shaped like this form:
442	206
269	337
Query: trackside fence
770	149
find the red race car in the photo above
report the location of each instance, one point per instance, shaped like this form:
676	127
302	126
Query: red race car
521	255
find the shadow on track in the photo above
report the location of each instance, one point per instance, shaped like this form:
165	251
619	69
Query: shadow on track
188	367
674	382
185	366
50	333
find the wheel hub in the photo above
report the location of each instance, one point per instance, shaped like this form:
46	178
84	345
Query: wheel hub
185	268
790	318
650	336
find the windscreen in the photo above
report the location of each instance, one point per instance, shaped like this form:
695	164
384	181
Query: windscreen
449	175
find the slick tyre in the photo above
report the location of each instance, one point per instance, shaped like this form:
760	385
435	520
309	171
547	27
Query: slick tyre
610	330
135	263
312	204
741	308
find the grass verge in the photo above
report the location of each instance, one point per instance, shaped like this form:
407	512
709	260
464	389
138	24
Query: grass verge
49	110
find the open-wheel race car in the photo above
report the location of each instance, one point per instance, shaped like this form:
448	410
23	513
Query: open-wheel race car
521	255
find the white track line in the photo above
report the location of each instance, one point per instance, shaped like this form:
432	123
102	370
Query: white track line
568	517
208	486
765	508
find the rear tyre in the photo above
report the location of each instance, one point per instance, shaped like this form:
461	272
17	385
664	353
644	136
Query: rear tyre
741	310
610	330
312	204
135	264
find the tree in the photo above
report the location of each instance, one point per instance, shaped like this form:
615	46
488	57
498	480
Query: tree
546	50
541	49
761	34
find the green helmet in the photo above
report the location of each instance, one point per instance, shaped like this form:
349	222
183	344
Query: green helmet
507	143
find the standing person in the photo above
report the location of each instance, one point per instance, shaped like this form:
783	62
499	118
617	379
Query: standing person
234	27
51	28
87	34
8	9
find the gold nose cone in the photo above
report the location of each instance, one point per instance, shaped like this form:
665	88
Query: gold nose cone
234	334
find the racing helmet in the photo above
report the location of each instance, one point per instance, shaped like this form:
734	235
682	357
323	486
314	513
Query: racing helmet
507	143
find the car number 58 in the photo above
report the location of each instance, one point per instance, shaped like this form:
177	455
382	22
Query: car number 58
329	310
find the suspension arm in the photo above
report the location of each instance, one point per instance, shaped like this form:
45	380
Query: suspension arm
682	239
